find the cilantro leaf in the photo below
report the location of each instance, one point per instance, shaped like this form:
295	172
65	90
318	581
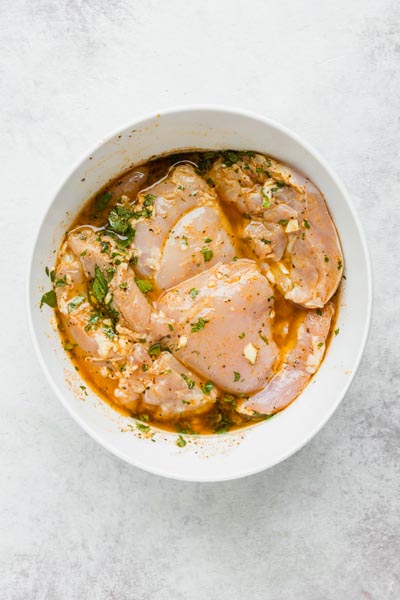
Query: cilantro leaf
144	285
189	382
99	285
198	325
207	253
75	302
49	298
207	387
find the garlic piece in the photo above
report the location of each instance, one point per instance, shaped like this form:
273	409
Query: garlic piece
250	352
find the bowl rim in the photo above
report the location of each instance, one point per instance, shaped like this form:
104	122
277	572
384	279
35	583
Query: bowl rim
191	108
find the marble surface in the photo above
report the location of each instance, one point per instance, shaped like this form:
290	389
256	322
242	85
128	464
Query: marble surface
75	521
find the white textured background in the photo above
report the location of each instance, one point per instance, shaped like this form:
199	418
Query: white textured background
75	521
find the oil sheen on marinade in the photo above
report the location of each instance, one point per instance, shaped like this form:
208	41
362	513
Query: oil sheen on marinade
287	316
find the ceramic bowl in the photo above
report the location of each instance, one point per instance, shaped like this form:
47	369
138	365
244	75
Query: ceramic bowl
236	454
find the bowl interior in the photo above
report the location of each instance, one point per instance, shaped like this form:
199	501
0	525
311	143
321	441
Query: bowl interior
241	453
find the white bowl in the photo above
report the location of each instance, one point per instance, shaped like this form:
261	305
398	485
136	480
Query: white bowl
241	453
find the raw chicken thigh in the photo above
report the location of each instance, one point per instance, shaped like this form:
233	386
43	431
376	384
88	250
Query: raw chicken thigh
290	227
296	368
222	325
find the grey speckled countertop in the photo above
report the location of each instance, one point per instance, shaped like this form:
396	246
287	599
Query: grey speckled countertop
75	521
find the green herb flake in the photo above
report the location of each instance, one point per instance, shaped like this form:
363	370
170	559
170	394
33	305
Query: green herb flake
99	285
49	298
210	182
320	344
144	285
155	350
339	264
181	187
75	302
69	345
208	240
264	339
149	200
193	292
230	400
207	253
337	331
110	333
92	321
326	259
236	376
199	325
181	442
123	285
61	282
266	199
189	382
207	387
319	312
283	222
264	241
306	224
241	336
142	427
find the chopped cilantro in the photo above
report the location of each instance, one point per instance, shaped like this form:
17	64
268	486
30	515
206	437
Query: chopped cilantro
142	427
283	221
69	345
306	224
207	253
266	199
337	331
92	321
230	400
99	285
49	298
189	382
207	387
208	240
123	285
198	325
144	285
236	376
181	442
170	327
264	339
149	200
75	302
155	350
110	333
193	292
